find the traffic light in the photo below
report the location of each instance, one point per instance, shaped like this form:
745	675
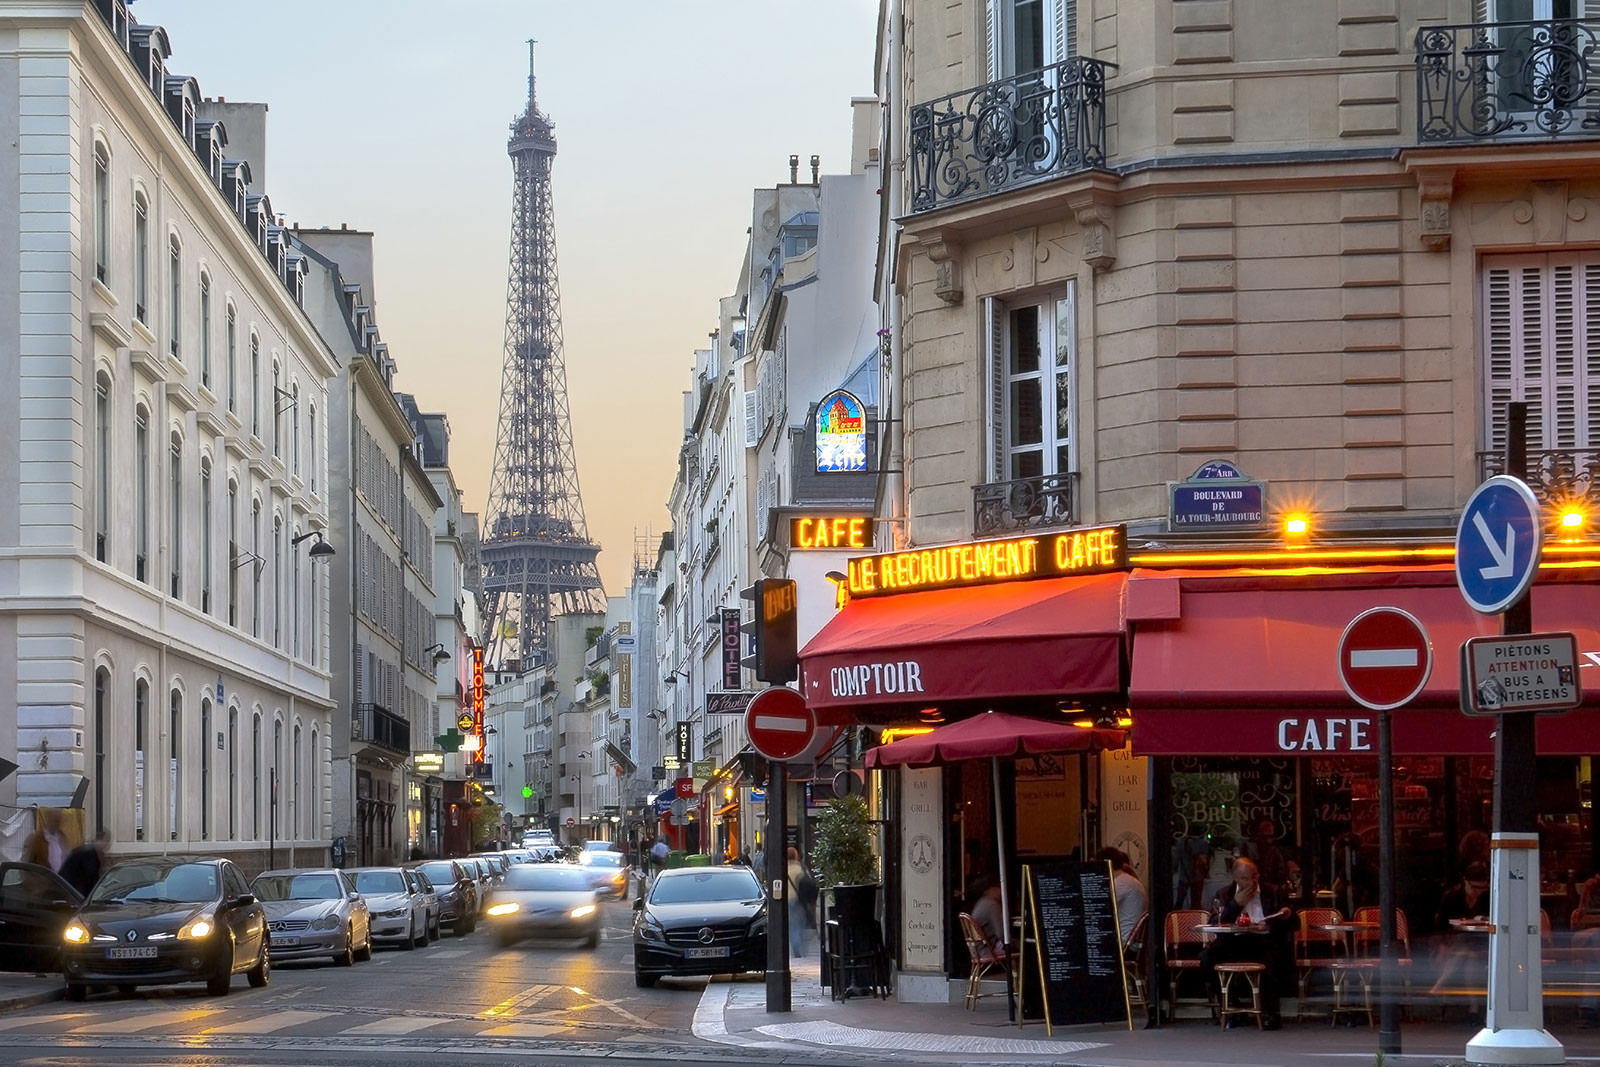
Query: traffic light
774	630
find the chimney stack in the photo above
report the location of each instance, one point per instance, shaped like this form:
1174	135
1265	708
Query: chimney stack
816	168
794	170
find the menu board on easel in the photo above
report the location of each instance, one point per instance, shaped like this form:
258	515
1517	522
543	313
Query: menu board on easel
1071	968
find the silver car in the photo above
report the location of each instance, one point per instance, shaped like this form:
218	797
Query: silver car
395	904
544	900
314	912
482	876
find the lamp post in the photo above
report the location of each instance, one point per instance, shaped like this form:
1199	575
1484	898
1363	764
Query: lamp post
578	790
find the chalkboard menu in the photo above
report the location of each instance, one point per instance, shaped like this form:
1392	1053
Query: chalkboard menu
1071	948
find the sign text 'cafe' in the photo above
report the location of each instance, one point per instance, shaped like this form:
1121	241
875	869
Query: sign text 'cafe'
1073	552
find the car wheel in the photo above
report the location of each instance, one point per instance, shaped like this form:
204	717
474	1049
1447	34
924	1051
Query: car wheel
126	989
593	940
422	941
434	933
220	982
467	925
409	942
261	973
77	991
348	956
364	953
644	981
507	939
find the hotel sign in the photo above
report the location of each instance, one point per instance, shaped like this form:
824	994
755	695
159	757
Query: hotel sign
1070	553
830	531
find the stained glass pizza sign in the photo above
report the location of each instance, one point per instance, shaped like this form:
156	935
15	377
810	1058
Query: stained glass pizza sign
841	434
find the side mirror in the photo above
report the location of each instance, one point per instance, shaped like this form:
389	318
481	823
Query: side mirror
638	903
244	899
353	897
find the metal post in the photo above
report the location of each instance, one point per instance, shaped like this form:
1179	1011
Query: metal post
777	875
1388	1006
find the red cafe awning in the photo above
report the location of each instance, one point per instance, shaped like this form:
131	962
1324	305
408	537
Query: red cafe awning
1246	663
992	734
1054	637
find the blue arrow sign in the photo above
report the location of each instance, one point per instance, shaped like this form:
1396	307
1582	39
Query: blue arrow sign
1498	542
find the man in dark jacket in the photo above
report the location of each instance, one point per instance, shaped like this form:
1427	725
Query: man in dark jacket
81	868
1264	923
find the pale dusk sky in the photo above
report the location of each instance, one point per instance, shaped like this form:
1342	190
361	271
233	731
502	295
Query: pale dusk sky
392	116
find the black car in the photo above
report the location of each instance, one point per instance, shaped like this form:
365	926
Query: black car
165	920
700	920
457	890
35	905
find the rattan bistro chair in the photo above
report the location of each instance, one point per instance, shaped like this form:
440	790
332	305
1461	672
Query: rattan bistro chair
1181	944
1315	950
983	959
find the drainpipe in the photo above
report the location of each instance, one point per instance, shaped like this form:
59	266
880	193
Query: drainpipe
892	177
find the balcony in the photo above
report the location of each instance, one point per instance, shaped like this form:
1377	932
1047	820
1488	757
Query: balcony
1024	504
1559	477
1503	81
377	725
1024	129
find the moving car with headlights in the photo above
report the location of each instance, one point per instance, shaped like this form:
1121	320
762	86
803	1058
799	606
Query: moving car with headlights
544	900
159	921
699	921
395	905
457	889
35	906
608	872
315	912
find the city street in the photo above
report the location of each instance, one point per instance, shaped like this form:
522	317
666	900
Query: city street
461	997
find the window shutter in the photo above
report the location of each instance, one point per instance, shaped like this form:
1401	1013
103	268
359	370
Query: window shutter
1064	30
752	424
991	26
1481	12
994	317
361	673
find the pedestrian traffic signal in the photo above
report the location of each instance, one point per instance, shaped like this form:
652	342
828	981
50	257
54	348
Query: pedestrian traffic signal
774	630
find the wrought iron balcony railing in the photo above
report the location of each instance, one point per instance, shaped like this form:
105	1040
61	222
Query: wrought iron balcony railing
1024	504
1559	477
1508	81
379	726
1009	133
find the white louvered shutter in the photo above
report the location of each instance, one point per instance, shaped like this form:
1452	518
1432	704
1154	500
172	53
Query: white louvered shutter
992	24
994	359
1063	30
752	424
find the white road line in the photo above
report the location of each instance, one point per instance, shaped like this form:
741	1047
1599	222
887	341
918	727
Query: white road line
522	1030
836	1035
132	1024
270	1024
394	1027
19	1021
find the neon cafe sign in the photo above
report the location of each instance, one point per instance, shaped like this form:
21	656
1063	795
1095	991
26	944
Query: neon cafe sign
1096	550
830	531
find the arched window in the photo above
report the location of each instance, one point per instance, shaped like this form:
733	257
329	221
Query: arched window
294	428
255	385
256	759
205	536
175	765
255	568
278	394
277	581
205	329
175	513
294	793
141	494
141	258
311	447
141	745
102	457
313	787
233	358
277	774
233	774
233	552
295	607
205	768
174	293
102	213
102	762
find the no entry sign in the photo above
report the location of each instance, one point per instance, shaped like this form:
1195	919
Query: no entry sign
1385	658
779	724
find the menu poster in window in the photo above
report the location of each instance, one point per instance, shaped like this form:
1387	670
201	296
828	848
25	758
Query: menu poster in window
1072	953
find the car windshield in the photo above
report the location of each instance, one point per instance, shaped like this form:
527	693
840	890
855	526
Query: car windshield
705	886
547	879
601	859
439	873
297	887
380	882
188	883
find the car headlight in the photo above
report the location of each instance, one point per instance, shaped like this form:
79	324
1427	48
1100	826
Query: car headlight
329	921
581	911
76	933
195	929
650	929
506	908
393	913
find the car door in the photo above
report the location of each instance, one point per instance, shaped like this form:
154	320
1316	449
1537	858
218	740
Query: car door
360	918
245	920
35	904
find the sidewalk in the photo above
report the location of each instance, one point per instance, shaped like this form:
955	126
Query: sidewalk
734	1013
25	990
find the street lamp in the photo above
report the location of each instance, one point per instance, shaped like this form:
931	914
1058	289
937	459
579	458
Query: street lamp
578	790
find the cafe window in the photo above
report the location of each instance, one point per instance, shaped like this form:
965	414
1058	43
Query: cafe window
1032	352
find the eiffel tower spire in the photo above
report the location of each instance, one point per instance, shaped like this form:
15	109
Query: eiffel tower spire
538	561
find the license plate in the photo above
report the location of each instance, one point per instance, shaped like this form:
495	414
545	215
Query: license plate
712	952
138	952
281	940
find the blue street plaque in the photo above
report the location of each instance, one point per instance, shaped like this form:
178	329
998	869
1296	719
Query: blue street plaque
1498	543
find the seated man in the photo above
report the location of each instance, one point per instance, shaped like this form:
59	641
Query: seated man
1245	903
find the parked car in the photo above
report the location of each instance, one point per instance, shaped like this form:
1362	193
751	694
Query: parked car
600	846
482	877
395	905
698	921
497	862
430	899
457	889
608	872
35	906
315	912
544	900
166	920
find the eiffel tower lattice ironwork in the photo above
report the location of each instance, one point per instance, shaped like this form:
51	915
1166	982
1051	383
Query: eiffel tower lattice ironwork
538	561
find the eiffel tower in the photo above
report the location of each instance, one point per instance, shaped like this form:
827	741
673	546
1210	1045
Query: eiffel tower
538	561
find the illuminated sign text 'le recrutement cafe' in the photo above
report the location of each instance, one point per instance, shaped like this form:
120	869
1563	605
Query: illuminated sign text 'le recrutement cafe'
1067	554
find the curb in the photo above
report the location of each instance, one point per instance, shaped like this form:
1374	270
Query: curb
18	1001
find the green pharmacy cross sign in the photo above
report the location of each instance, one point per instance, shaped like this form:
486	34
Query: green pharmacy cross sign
450	740
527	792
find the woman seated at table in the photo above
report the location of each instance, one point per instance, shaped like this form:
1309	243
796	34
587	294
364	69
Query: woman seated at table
1245	905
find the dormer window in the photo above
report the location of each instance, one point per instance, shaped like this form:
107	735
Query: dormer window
352	298
257	217
236	185
274	249
295	275
115	12
210	137
181	94
150	48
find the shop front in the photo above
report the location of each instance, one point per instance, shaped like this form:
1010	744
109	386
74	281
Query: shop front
1257	749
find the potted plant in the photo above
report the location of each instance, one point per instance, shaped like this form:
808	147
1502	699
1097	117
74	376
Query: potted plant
842	852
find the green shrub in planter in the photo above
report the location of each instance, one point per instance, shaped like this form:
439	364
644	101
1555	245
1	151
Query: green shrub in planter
842	850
